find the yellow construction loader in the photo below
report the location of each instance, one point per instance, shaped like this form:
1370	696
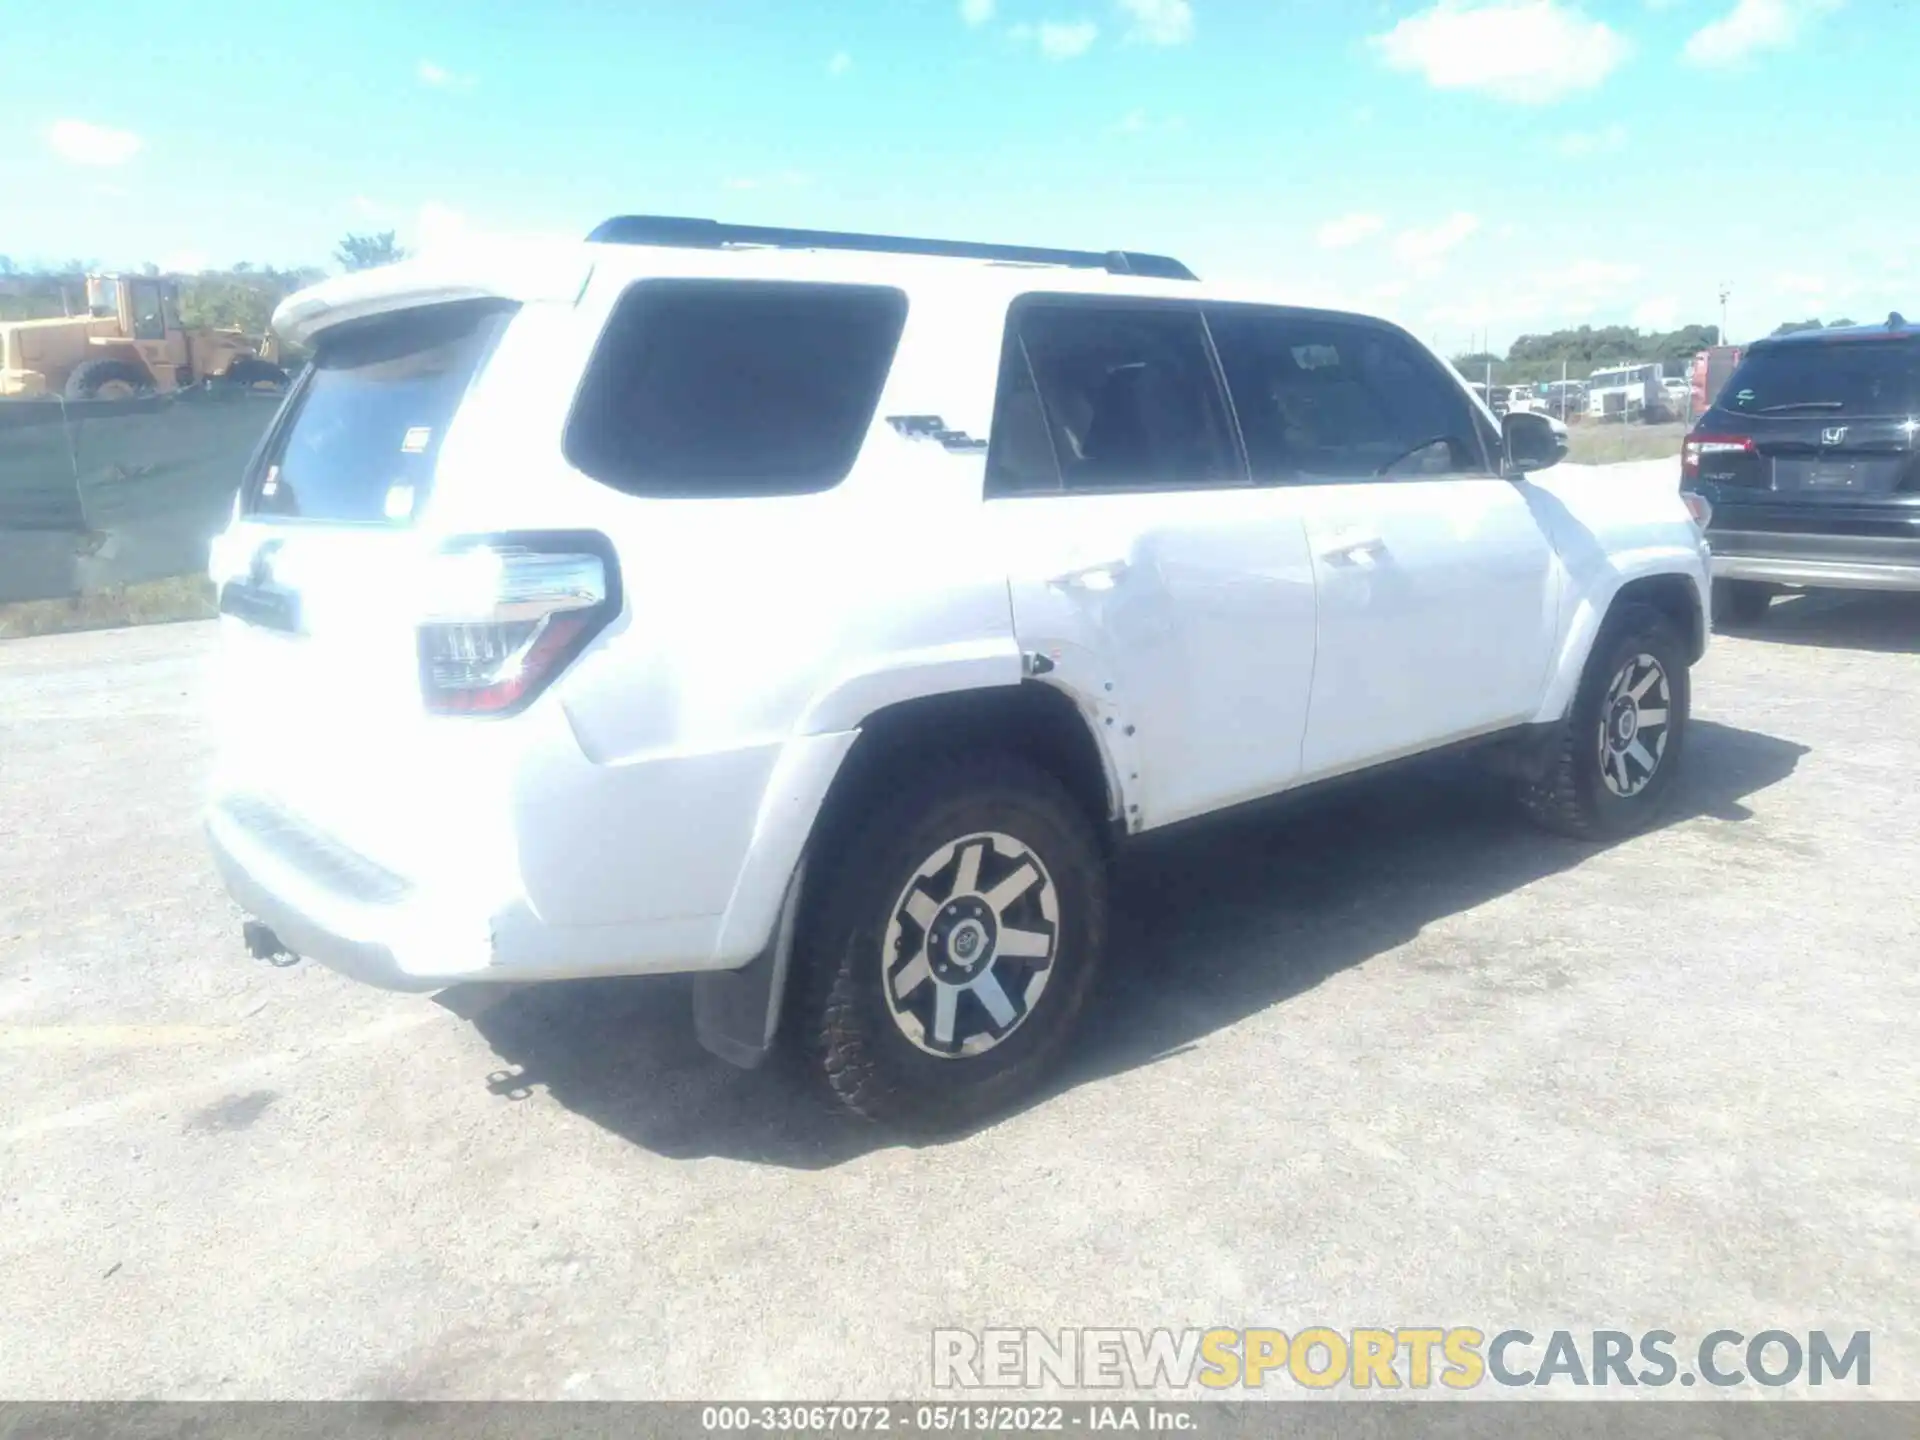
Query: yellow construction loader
130	342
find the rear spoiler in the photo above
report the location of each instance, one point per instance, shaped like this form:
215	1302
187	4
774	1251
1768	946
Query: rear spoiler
523	274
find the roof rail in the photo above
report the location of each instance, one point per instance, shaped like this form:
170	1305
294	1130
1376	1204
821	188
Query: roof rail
687	233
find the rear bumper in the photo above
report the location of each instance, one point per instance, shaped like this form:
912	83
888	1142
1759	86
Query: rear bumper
1845	562
340	935
331	903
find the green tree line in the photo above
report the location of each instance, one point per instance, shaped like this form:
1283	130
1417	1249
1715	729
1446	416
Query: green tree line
241	296
1532	359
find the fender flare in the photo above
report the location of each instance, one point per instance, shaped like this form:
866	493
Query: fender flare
1592	608
737	1012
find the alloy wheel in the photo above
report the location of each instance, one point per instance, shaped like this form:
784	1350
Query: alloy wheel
970	945
1634	726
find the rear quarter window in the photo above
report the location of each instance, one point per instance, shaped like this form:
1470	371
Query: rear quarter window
734	388
362	431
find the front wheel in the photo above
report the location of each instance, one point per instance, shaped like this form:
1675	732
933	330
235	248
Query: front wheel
107	380
1619	748
953	947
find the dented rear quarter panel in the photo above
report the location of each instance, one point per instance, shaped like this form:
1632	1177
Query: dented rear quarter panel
755	635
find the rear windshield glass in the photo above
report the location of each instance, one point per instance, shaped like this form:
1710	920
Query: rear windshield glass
360	440
712	388
1846	377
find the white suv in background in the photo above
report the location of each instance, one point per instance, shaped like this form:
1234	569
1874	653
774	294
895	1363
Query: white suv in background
817	612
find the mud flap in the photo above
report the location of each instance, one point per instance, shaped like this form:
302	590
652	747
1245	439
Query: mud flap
736	1013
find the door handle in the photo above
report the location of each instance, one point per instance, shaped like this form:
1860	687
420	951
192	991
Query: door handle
1351	545
1103	576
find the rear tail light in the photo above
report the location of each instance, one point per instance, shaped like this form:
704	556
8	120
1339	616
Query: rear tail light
503	618
1696	446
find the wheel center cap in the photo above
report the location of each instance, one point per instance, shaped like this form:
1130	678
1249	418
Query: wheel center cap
1626	722
968	940
960	940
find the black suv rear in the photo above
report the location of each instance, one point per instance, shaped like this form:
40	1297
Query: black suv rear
1808	460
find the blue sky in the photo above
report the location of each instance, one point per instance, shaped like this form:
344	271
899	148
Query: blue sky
1464	166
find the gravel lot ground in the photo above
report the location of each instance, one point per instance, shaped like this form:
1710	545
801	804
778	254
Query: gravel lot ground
1388	1059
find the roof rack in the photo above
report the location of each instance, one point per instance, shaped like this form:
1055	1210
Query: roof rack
684	232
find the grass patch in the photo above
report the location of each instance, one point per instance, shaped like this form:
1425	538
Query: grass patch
153	602
1598	444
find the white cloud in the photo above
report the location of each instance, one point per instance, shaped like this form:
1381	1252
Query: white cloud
1806	287
1159	22
1139	122
1608	140
1430	243
370	209
976	12
1059	39
1529	52
840	64
1752	25
185	262
1590	275
1348	230
440	78
83	144
1662	312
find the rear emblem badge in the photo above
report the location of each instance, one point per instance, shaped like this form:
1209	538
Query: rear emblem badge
1833	434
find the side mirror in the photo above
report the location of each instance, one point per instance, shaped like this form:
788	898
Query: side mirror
1532	441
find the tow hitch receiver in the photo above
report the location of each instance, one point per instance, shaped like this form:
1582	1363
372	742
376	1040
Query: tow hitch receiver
263	944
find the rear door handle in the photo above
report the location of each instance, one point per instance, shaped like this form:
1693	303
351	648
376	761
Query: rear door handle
1352	545
1103	576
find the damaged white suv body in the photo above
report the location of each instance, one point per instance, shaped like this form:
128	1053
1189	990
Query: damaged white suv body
817	613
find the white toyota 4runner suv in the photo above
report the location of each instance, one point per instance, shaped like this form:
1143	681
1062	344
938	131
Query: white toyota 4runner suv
817	612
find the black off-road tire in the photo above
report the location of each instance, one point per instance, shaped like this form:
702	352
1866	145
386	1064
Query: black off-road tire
89	377
1741	602
1579	798
252	374
842	1017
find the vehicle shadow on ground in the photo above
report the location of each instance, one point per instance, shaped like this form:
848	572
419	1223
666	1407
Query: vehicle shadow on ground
1211	925
1882	621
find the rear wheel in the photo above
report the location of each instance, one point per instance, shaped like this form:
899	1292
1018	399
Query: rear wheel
1741	602
952	950
1620	745
107	380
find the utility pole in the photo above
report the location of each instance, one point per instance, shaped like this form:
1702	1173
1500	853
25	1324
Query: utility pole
1724	292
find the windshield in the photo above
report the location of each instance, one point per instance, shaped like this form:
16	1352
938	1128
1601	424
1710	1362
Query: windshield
1842	378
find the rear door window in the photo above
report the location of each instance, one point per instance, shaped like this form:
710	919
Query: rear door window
1109	397
734	388
361	434
1843	377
